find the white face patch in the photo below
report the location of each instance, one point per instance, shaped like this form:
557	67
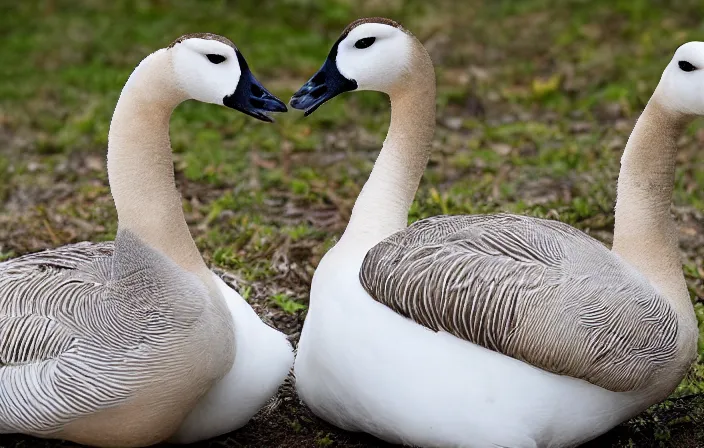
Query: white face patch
205	80
382	60
681	87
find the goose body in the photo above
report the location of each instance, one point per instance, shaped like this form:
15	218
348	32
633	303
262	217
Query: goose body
363	367
127	343
84	331
488	331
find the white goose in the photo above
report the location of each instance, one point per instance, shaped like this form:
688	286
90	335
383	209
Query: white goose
500	330
132	343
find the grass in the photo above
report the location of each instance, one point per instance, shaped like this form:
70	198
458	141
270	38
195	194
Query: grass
536	100
287	304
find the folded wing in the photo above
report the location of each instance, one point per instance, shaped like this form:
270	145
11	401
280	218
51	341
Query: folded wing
539	291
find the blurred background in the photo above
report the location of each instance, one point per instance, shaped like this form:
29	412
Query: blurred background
536	100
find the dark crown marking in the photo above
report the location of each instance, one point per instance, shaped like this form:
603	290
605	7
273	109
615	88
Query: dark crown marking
207	36
382	20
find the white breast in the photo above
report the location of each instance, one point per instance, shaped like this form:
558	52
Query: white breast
263	359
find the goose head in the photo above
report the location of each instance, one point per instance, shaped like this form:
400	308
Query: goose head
371	54
681	87
209	68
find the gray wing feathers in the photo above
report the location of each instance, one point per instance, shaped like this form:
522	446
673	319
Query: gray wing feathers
71	256
29	339
47	302
35	290
81	329
536	290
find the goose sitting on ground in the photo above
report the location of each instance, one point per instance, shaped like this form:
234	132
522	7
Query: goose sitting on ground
498	330
128	344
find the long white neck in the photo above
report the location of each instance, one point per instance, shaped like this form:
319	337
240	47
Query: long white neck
383	204
140	164
645	234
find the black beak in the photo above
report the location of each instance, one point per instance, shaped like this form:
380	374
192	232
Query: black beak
326	84
251	97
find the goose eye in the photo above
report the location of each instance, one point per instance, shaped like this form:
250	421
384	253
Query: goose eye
215	58
686	66
364	43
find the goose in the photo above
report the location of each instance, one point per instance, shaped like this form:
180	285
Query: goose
135	342
492	330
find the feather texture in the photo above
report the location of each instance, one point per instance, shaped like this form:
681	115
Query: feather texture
86	327
539	291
